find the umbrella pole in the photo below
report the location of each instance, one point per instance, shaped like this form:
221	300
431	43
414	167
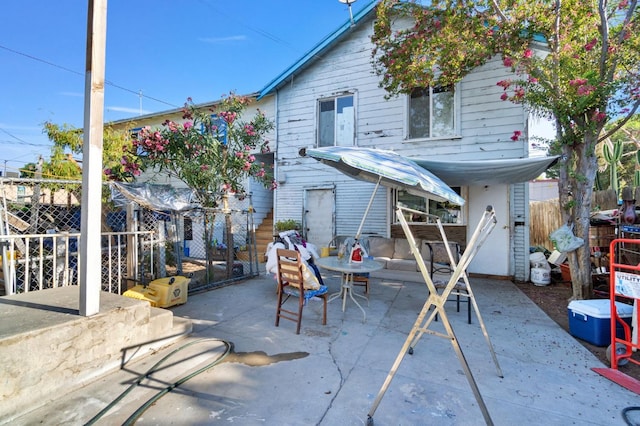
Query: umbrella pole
366	212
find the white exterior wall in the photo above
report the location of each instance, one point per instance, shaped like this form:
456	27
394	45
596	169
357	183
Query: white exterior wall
485	122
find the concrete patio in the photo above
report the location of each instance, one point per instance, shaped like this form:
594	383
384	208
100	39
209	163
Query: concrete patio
330	375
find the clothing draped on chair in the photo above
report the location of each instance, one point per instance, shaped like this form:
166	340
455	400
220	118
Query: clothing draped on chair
291	271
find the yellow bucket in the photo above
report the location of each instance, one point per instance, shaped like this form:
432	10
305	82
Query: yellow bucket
324	251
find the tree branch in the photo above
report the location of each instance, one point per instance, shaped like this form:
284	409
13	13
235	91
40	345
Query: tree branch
622	122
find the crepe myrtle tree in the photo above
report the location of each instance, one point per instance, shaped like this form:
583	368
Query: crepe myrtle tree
575	62
212	152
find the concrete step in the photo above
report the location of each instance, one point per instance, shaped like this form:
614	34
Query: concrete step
43	329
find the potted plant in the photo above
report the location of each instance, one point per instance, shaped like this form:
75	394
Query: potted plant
286	225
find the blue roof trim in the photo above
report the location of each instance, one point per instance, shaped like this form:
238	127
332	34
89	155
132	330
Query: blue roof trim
324	44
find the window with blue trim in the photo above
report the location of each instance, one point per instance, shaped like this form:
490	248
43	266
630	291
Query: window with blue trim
220	128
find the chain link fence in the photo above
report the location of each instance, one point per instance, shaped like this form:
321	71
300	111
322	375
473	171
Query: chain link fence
40	240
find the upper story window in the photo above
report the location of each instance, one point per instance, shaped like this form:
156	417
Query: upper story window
219	128
431	112
336	121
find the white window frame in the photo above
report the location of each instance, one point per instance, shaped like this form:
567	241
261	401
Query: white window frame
446	217
456	114
342	126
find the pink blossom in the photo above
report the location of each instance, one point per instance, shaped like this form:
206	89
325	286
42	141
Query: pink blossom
533	80
239	154
528	53
598	116
578	81
585	90
187	125
516	135
519	93
589	46
228	116
249	130
260	173
504	96
507	62
204	167
504	84
252	158
246	166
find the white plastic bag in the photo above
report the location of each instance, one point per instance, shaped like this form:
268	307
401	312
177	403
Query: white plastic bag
564	240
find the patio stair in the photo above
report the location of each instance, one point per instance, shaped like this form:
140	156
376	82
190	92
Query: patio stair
48	349
264	236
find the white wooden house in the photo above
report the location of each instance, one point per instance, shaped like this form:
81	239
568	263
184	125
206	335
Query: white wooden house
331	96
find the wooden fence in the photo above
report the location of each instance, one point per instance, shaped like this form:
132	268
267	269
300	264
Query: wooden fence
545	216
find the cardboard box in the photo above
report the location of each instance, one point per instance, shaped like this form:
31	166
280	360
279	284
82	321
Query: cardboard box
590	320
557	258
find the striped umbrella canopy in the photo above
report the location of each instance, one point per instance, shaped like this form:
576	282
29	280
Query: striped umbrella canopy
387	168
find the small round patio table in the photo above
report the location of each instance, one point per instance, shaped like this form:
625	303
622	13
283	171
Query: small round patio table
332	263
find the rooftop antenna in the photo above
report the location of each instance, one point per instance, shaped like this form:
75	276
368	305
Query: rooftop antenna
349	3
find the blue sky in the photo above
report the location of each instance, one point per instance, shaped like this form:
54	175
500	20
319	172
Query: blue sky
167	50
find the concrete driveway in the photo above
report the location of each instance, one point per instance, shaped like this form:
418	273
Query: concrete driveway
330	375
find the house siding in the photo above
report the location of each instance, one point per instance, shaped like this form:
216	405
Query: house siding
485	127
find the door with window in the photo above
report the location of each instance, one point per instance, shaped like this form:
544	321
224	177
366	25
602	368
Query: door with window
319	215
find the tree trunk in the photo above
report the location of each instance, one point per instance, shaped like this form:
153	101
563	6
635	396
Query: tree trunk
575	199
209	244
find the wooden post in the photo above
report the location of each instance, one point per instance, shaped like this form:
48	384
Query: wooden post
90	245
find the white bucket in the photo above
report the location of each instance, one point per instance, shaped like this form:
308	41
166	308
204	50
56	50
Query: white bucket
537	257
540	276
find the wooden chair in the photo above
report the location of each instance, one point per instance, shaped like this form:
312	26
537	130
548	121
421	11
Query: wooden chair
363	281
439	262
290	280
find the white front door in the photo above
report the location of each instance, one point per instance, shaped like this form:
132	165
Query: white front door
319	215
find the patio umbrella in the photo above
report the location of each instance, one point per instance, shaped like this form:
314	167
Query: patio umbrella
387	168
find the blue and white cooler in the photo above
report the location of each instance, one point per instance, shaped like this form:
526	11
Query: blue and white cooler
590	320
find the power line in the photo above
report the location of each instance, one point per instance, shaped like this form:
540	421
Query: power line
39	145
22	141
107	82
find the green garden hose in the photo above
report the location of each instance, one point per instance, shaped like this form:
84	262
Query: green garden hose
167	389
